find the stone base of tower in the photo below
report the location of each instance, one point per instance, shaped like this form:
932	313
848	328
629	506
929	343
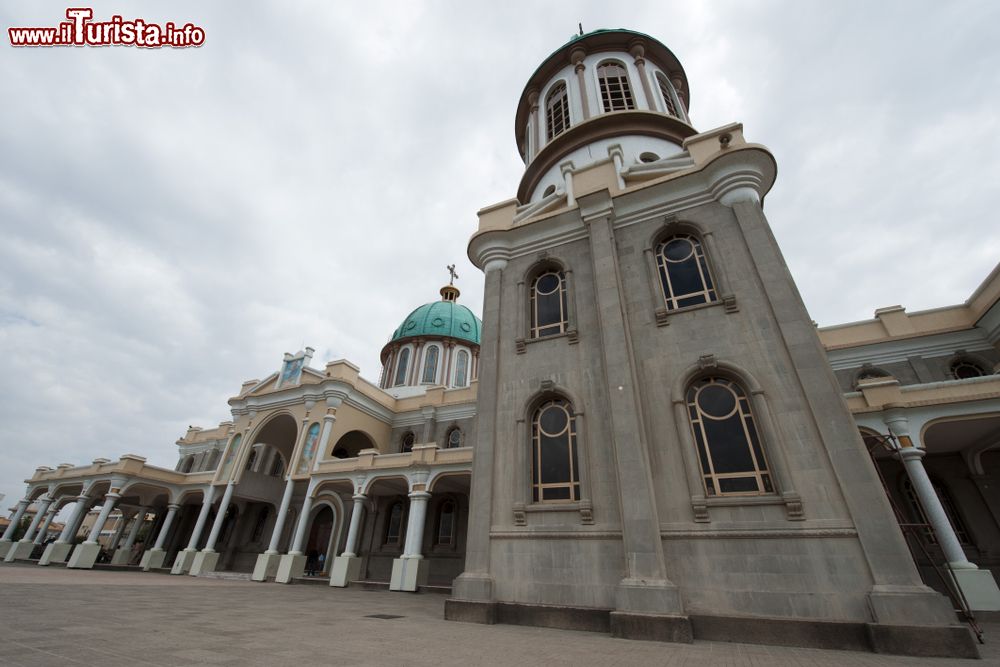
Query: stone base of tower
955	641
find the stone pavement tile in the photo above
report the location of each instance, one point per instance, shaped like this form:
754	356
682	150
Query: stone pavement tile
184	621
204	656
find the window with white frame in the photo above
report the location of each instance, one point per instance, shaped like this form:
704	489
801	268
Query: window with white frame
557	111
666	91
730	452
430	364
616	94
555	472
549	315
402	361
462	369
683	270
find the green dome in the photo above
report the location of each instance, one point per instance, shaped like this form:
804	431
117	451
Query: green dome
440	318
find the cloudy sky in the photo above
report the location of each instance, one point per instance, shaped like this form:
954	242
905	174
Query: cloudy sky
174	220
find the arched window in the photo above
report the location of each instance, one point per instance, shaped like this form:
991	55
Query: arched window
234	447
555	475
258	529
401	363
251	459
548	304
394	525
462	369
667	93
277	466
430	364
188	464
684	274
557	111
407	442
446	524
729	449
963	369
615	91
309	449
454	438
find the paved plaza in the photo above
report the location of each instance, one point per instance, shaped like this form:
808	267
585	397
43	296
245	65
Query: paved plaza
54	616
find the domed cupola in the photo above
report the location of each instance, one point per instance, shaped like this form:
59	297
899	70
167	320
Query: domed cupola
615	96
436	344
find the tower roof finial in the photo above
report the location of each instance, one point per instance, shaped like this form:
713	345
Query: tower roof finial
449	292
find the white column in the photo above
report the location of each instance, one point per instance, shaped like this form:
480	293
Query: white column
220	517
79	509
43	507
350	549
140	518
165	529
109	503
924	488
415	525
300	528
279	523
15	519
911	454
44	530
206	505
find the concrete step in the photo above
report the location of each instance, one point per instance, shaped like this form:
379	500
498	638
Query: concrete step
440	590
322	581
370	585
229	576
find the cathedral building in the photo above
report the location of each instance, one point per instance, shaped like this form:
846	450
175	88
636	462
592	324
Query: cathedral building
645	435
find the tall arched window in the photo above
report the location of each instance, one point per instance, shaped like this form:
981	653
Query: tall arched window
251	459
309	450
446	524
615	91
548	304
277	466
729	449
394	525
407	442
188	464
234	447
684	274
557	111
454	438
430	364
555	474
462	369
401	363
668	95
258	529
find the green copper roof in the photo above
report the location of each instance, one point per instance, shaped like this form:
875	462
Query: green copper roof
441	318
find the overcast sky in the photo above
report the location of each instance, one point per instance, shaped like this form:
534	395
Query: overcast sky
174	220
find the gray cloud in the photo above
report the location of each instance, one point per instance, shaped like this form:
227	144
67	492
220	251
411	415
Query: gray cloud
174	220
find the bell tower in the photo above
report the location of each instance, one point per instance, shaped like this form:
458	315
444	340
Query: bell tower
660	437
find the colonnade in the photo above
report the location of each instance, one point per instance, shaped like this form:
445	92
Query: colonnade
409	570
978	586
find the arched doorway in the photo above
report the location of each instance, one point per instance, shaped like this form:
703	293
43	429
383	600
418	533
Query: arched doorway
320	534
